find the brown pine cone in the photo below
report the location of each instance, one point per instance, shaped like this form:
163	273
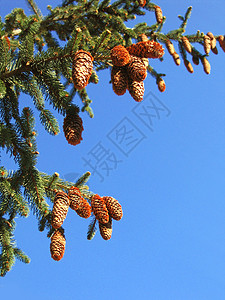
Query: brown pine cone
158	14
195	60
136	69
207	44
170	47
99	209
176	58
120	56
142	3
73	127
143	37
106	230
81	69
84	210
57	246
136	90
114	208
188	66
60	209
206	65
119	80
149	49
213	42
221	40
75	197
161	84
186	44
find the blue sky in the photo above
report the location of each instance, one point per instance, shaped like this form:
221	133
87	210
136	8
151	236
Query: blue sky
170	242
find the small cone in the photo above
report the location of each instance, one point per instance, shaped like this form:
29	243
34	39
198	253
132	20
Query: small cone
57	246
120	56
114	208
186	44
176	58
84	210
170	47
106	230
73	127
143	37
188	66
99	209
119	80
158	14
213	42
149	49
207	44
75	197
142	3
81	69
195	60
60	209
161	84
221	40
136	69
206	65
136	90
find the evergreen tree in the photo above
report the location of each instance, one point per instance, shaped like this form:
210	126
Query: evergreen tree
41	56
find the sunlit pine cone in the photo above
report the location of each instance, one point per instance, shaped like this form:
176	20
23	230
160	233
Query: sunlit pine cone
73	127
143	37
176	58
188	66
58	244
149	49
142	3
161	84
221	40
136	69
114	208
106	230
75	197
119	80
170	47
207	44
213	42
186	44
158	14
206	65
195	60
120	56
136	90
99	209
60	209
81	69
84	210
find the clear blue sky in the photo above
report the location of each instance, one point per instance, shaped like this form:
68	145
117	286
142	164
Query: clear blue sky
170	244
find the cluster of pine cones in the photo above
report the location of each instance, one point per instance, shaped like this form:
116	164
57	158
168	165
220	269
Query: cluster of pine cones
104	209
130	67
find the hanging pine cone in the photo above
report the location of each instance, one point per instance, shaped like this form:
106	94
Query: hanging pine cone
136	90
84	210
75	197
99	209
120	56
176	58
206	65
60	209
142	3
207	44
161	84
119	80
73	127
149	49
106	230
195	60
170	47
136	69
81	69
114	208
158	14
221	40
57	246
188	66
186	44
213	42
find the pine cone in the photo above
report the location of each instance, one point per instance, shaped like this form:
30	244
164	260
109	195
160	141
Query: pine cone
84	210
57	246
186	44
99	209
213	42
149	49
170	47
119	80
161	84
136	90
207	44
106	230
143	37
188	66
195	60
75	197
221	40
60	209
158	14
142	3
176	58
114	208
136	69
120	56
206	65
81	69
73	127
